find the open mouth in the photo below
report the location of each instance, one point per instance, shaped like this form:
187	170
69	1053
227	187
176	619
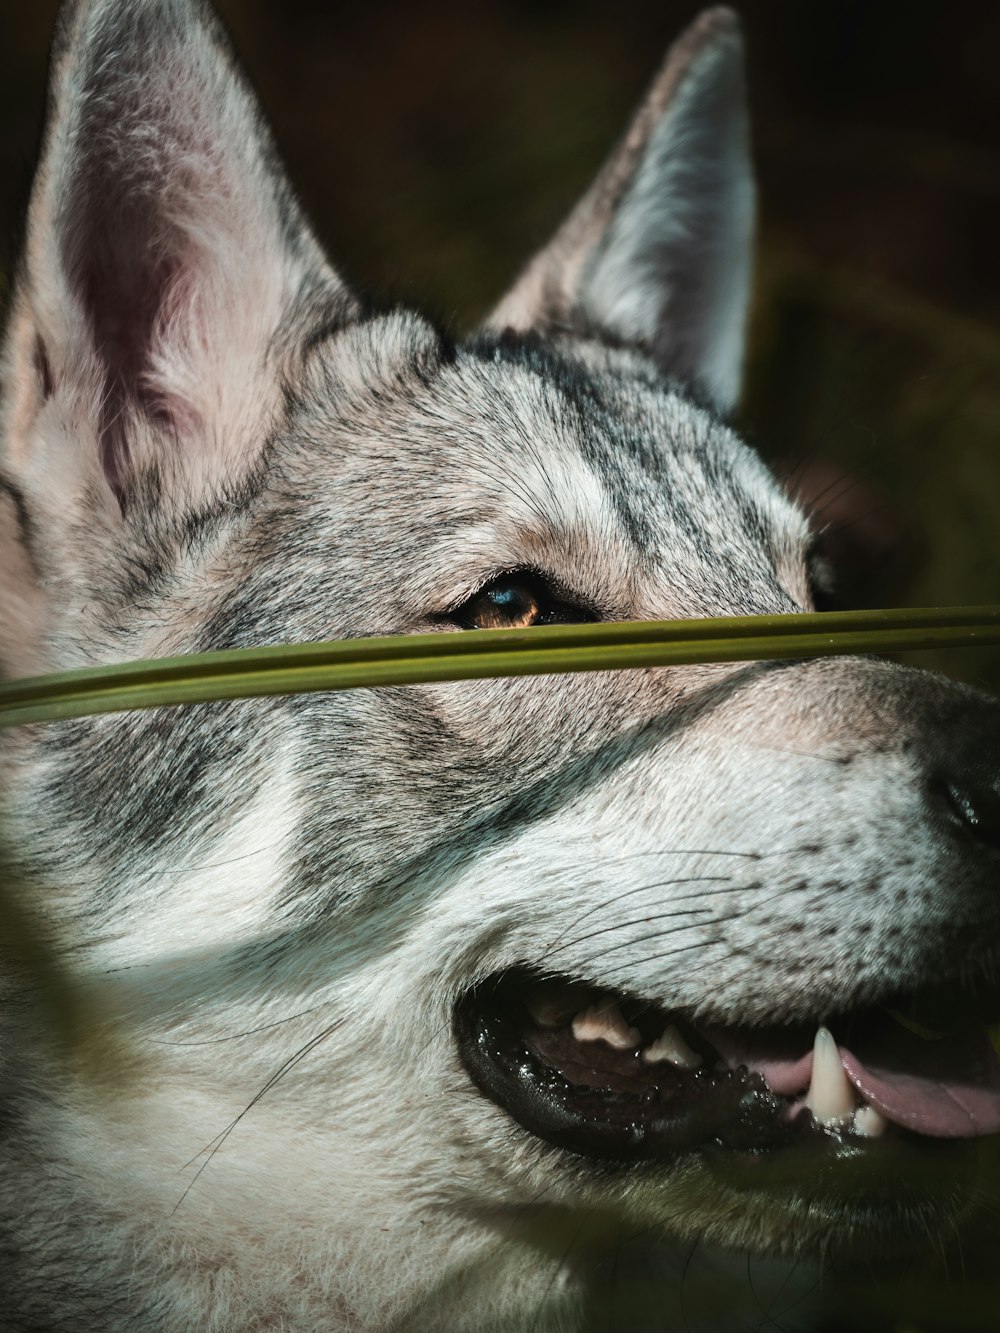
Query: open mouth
615	1077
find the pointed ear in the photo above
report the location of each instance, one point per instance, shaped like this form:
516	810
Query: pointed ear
165	259
657	253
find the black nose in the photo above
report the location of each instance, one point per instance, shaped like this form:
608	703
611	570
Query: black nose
965	769
974	802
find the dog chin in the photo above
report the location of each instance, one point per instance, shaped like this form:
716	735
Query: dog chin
854	1212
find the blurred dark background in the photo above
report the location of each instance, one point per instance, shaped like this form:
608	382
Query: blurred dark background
436	144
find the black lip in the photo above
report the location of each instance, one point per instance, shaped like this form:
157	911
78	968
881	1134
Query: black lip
650	1114
678	1113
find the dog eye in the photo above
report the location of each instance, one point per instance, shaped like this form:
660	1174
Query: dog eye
516	601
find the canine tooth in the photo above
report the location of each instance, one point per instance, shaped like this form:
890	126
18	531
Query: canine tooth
603	1021
830	1097
670	1047
869	1122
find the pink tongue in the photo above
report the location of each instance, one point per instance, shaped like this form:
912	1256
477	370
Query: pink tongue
948	1088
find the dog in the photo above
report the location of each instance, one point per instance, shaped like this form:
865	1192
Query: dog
418	1008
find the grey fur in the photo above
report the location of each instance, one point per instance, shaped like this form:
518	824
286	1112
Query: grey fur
274	905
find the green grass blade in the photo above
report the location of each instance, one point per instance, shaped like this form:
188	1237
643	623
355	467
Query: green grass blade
422	658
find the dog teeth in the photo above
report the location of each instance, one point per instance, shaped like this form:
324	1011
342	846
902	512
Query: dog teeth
869	1122
671	1048
830	1097
603	1021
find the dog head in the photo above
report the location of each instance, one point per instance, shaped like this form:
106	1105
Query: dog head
666	946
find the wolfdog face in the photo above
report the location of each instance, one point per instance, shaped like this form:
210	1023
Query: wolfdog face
423	998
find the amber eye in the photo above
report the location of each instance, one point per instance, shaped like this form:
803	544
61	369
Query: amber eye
503	606
516	601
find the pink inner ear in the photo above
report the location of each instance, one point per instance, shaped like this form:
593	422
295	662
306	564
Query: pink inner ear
147	172
127	277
